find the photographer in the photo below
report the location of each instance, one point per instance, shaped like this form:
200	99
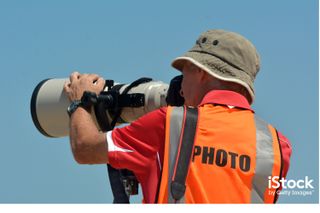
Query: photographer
234	152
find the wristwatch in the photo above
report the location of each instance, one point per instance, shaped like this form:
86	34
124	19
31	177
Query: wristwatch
74	106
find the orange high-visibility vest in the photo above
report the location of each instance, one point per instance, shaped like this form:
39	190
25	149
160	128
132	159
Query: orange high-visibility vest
234	155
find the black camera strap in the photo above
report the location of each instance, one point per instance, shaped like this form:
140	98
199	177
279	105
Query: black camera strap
117	187
118	109
123	182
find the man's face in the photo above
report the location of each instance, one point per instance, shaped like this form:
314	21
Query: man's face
190	85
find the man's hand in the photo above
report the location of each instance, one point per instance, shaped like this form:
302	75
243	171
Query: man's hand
83	82
87	143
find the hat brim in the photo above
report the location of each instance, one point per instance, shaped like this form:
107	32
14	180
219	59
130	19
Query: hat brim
216	68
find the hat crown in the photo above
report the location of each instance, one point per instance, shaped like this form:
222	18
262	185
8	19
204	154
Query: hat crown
231	48
227	56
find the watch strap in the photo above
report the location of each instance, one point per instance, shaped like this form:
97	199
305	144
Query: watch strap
74	106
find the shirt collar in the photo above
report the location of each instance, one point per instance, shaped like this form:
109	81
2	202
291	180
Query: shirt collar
226	97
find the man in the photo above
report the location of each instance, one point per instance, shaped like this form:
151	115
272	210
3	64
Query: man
234	152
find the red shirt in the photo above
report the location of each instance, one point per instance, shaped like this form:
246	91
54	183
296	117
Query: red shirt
139	146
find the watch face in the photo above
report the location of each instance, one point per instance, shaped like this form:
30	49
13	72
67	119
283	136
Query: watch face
73	106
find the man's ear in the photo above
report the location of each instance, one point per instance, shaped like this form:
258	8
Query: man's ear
204	76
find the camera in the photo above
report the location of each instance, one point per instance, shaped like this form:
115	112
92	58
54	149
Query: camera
116	104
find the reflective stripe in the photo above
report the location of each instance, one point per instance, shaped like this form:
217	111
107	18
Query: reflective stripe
264	161
176	120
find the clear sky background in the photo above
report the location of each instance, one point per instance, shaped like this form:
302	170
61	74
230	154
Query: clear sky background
125	40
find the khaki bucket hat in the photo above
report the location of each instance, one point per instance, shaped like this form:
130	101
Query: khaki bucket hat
227	56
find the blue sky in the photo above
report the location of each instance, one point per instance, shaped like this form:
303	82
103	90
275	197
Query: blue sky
124	40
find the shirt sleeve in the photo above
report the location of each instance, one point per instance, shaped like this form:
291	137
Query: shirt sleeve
137	146
286	150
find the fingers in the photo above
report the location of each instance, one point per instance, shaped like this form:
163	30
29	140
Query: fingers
83	82
66	87
74	76
77	76
100	81
94	79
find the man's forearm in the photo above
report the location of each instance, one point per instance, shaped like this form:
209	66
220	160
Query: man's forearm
88	143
